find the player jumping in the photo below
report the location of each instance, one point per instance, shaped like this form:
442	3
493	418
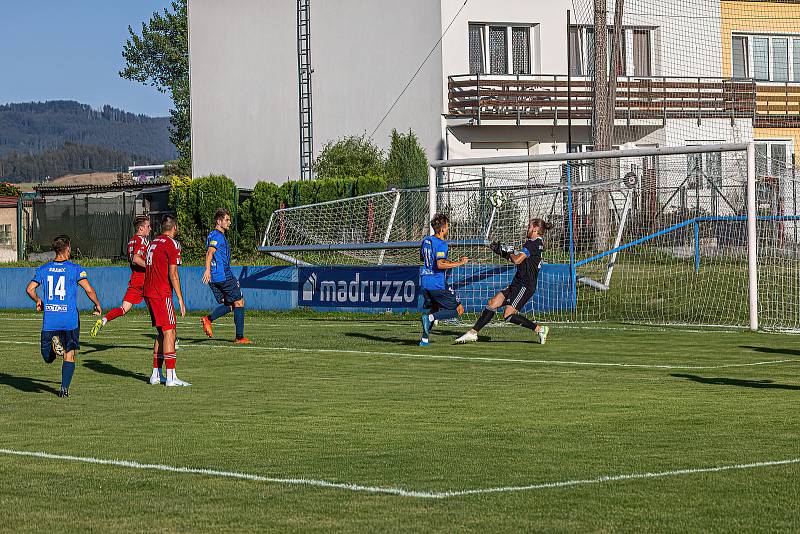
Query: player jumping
220	279
515	296
137	250
160	279
61	327
441	302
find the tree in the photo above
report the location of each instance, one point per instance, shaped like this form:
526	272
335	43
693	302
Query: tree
407	164
159	57
349	157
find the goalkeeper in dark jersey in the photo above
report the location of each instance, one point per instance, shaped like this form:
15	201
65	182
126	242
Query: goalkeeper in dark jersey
514	297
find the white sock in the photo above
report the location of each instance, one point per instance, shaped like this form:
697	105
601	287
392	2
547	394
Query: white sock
104	320
431	317
171	374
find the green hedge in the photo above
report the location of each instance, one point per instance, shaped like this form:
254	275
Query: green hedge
195	202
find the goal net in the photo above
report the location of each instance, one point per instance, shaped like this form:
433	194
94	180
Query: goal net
655	236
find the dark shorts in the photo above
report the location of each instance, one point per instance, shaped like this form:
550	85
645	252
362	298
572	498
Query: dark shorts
70	340
226	292
517	295
440	299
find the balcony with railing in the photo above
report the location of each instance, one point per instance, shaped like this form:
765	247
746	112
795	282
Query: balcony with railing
527	99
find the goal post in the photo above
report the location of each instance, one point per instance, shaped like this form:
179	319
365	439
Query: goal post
696	234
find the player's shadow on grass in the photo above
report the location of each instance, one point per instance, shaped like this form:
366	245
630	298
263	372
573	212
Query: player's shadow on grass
772	350
107	369
27	385
383	339
756	384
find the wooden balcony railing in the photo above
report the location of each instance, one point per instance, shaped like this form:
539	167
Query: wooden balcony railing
527	97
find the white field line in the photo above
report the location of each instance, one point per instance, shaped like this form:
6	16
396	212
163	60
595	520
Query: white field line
398	491
481	359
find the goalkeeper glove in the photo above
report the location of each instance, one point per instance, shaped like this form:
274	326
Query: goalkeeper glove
500	250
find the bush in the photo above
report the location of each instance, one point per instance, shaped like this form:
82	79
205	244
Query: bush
8	190
407	165
350	156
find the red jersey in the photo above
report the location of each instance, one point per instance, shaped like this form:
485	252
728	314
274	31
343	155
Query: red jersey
137	246
162	252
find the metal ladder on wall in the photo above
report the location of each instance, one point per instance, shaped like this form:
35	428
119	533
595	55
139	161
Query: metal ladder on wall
304	72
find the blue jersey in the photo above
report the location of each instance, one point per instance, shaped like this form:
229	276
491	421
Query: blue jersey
221	261
59	282
432	250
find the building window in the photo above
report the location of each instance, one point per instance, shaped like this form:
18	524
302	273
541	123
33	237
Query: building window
5	235
741	57
476	49
766	58
635	60
772	157
499	49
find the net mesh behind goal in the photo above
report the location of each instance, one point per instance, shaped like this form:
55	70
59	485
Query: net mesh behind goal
655	239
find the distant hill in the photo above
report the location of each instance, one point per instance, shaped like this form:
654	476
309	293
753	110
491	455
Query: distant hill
32	128
71	158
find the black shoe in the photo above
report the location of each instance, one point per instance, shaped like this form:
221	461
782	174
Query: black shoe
64	392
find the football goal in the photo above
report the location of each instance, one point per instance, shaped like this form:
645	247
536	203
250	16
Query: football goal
703	235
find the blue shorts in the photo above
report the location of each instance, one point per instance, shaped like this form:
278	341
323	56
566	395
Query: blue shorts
70	340
440	299
226	292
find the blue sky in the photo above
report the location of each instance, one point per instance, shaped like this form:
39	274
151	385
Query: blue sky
72	50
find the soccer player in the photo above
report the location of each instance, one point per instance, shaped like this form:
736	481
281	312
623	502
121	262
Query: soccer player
160	279
220	279
137	250
438	294
61	327
522	287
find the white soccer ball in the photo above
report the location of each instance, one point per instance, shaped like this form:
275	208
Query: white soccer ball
496	198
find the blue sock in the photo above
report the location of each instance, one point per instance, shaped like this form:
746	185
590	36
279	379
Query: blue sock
67	369
218	312
238	320
443	315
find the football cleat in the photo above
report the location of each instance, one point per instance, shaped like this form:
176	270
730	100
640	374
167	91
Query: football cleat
156	379
469	337
424	343
543	331
58	348
63	392
207	326
98	325
242	341
177	382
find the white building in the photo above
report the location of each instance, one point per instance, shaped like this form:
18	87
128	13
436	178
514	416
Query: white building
496	85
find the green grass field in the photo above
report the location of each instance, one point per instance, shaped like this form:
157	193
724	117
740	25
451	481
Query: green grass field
352	401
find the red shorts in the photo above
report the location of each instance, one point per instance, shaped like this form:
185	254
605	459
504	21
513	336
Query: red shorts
134	294
162	312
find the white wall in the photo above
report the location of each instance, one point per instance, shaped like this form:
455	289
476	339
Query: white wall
244	89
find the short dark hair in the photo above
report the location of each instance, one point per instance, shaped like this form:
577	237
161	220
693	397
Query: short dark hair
438	222
220	214
543	225
140	220
61	243
168	222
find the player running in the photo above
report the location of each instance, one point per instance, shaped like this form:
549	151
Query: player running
441	302
220	279
515	296
160	279
61	327
137	250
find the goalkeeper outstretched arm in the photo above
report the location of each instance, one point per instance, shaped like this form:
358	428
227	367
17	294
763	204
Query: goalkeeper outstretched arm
507	253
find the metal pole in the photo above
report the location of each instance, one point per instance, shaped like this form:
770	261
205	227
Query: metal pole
569	83
622	220
20	238
752	237
696	247
794	204
389	227
432	172
573	274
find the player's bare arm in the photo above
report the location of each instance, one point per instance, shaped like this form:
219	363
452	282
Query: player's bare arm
209	256
31	291
447	264
175	280
90	292
139	260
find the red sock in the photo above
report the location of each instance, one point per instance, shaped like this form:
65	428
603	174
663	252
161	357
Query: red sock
158	359
113	314
169	359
